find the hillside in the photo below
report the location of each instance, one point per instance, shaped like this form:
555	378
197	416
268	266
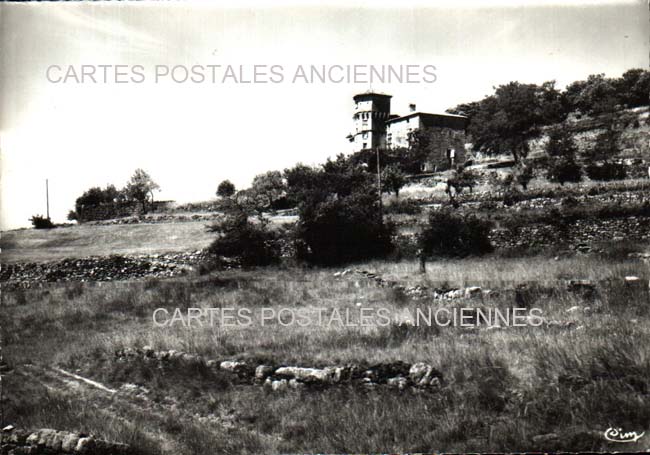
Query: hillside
634	125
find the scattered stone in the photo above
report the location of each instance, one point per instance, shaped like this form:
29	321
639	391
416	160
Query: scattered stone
280	385
473	291
231	365
422	374
69	442
85	445
306	374
263	371
399	382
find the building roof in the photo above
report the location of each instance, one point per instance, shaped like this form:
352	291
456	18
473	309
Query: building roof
424	115
370	94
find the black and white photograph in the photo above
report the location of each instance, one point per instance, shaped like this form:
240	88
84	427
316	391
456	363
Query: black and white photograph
328	226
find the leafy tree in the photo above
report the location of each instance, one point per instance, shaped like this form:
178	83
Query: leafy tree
596	95
267	189
305	184
392	179
467	109
506	121
606	144
561	163
335	179
96	196
633	87
225	189
561	143
604	149
140	188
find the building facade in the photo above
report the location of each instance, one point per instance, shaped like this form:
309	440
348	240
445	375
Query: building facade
375	127
371	112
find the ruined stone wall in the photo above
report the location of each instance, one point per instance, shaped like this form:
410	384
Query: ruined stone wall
52	442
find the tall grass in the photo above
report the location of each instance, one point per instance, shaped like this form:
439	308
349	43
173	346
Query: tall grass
501	387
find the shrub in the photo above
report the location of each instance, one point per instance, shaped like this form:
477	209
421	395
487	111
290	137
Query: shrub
448	234
41	222
406	207
246	242
523	175
511	196
343	230
564	170
606	171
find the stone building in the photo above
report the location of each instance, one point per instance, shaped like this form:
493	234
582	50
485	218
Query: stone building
371	112
375	127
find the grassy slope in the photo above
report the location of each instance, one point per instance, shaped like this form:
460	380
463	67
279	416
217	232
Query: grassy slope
32	245
503	386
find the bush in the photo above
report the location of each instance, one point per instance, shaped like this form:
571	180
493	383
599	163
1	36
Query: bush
450	235
564	170
606	171
41	222
343	230
248	243
512	196
406	207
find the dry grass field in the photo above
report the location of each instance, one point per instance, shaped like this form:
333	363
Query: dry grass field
35	245
553	387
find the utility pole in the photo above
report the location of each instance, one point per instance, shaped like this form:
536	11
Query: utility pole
47	197
381	208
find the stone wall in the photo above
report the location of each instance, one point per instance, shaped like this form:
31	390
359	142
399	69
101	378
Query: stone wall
53	442
398	375
111	268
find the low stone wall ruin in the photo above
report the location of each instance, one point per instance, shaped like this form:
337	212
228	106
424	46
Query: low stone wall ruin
53	442
398	375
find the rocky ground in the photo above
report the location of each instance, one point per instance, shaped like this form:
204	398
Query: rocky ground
112	268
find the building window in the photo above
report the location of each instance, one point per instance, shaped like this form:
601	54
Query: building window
365	135
365	145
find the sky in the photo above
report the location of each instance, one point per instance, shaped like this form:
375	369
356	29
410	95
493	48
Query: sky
189	136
